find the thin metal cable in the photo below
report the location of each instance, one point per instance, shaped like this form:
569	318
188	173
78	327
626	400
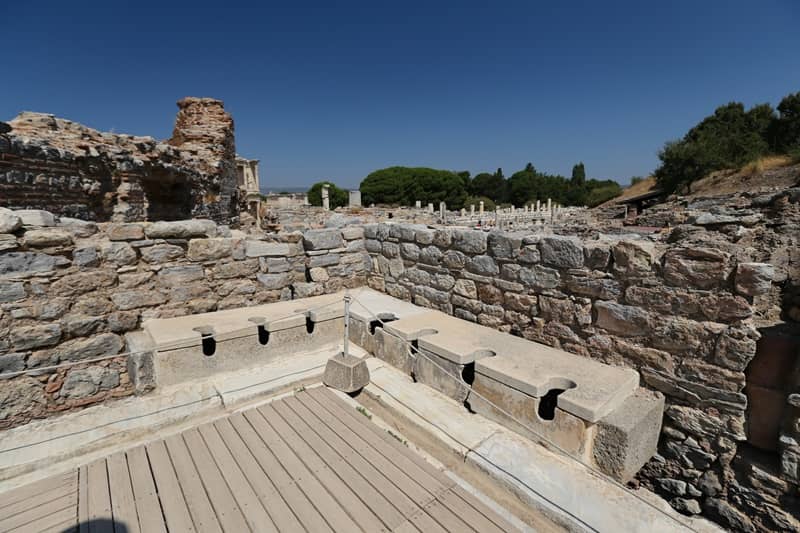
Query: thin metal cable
170	346
415	352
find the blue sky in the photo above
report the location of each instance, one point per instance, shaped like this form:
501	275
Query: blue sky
337	90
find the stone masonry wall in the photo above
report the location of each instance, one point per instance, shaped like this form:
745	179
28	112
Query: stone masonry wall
70	290
76	171
683	309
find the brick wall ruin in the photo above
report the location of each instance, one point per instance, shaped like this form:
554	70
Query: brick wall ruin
73	170
706	311
690	309
70	290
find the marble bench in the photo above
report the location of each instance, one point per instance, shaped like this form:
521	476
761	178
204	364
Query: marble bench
592	411
198	346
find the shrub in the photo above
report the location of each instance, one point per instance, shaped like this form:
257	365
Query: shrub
405	185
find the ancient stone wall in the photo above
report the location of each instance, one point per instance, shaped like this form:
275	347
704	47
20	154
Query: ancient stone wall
72	170
685	308
70	290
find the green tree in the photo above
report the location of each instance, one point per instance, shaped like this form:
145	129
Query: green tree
578	175
489	185
787	125
729	138
405	185
337	197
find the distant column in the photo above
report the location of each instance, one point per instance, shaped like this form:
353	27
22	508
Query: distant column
481	207
418	204
430	208
538	206
326	202
549	206
355	198
472	210
442	211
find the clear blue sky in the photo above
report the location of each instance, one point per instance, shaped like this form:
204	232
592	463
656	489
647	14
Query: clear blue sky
336	91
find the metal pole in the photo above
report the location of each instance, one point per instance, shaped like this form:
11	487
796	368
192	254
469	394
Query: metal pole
346	323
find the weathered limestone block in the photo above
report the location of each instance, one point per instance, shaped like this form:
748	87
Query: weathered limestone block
529	254
119	253
323	239
568	311
442	238
7	242
318	274
736	347
124	231
454	260
628	437
81	229
593	284
161	253
136	299
596	255
88	348
373	246
634	257
83	282
424	235
82	325
469	241
275	281
175	276
209	249
29	337
29	262
11	291
181	229
503	244
87	256
346	373
80	383
390	249
376	231
540	277
754	279
236	269
622	319
20	396
255	248
702	268
327	259
465	288
430	255
12	362
409	251
36	217
561	252
483	265
42	238
9	221
350	233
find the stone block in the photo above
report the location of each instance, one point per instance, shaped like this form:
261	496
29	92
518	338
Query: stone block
469	241
754	279
125	232
178	275
29	337
29	262
36	217
540	277
9	221
266	249
181	229
483	265
561	252
209	249
7	242
348	374
350	233
634	257
119	253
701	268
628	437
161	253
80	383
622	319
43	238
11	291
504	244
323	239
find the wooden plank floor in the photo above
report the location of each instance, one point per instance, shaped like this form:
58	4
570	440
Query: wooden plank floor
309	462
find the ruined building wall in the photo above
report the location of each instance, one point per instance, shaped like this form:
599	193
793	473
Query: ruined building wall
76	171
687	310
70	290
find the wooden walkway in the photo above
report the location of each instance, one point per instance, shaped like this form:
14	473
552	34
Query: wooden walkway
309	462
